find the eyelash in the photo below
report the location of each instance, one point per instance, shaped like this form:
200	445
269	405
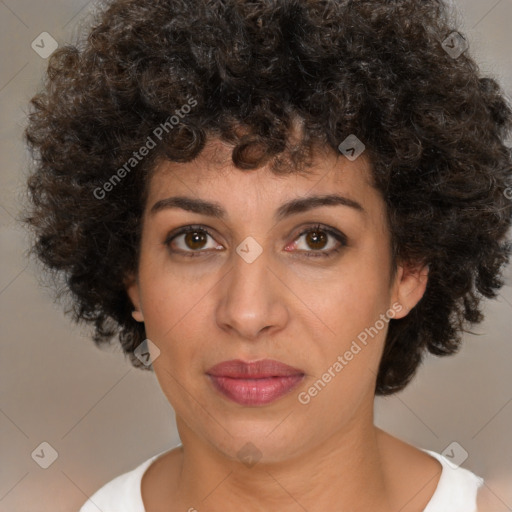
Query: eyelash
309	254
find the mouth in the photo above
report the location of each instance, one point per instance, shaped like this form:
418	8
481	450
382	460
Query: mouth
254	383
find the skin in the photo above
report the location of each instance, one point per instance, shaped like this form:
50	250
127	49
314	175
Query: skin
303	311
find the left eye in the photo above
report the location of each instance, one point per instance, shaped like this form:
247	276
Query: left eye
317	239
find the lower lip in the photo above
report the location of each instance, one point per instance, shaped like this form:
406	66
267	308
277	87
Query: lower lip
255	391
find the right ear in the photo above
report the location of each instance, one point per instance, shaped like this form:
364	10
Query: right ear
132	289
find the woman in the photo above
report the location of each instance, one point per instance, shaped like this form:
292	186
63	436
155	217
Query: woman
279	207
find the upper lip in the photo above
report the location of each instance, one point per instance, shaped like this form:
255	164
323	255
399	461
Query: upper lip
238	369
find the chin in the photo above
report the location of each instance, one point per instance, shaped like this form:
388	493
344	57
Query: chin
252	446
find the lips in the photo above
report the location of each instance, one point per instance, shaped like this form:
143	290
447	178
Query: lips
254	383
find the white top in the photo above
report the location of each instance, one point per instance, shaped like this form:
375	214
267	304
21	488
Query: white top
456	490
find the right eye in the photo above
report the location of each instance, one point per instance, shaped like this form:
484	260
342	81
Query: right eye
190	241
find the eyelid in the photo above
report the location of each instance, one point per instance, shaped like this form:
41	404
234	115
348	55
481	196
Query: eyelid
318	226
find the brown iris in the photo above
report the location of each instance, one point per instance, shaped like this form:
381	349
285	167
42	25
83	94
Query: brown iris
195	239
316	239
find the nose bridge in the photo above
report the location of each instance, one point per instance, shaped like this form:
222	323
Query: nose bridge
250	300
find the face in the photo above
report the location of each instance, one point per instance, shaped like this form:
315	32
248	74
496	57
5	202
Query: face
309	286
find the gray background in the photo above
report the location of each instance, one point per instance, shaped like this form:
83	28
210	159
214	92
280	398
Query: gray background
104	417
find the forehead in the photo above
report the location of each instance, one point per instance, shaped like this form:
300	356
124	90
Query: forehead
213	175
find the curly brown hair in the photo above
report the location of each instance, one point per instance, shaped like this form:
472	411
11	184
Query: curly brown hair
433	128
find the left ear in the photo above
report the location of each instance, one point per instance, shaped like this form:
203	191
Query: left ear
132	289
409	286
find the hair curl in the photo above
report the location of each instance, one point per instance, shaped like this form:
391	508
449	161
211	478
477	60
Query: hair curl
434	131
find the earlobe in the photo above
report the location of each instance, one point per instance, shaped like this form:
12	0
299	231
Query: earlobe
132	289
137	315
410	285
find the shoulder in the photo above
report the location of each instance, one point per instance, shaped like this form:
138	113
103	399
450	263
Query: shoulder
437	483
457	488
121	494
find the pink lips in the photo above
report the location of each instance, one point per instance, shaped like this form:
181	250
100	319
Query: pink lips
257	383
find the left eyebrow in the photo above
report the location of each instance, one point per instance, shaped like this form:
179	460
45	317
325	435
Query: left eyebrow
304	204
289	208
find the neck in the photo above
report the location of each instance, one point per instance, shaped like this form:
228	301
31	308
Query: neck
346	470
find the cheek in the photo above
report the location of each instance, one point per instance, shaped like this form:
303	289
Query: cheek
172	304
346	352
349	297
170	316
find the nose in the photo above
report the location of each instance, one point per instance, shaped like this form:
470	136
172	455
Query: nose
252	300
